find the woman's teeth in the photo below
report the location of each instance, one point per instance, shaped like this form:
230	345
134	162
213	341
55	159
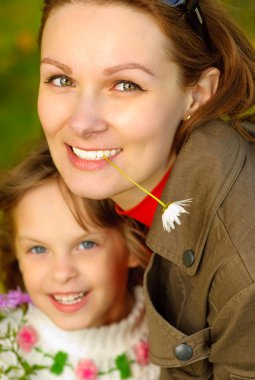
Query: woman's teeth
69	299
94	154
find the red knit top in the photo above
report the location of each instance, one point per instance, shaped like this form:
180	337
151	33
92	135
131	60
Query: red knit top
145	210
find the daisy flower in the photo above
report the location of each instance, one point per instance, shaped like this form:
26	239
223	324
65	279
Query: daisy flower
171	211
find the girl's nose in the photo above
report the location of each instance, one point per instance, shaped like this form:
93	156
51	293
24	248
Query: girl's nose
64	269
87	117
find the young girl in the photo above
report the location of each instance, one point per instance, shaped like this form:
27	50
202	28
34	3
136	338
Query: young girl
80	264
162	89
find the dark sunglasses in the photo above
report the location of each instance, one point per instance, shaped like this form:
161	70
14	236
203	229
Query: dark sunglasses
194	16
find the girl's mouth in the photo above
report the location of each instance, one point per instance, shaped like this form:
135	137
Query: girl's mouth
69	299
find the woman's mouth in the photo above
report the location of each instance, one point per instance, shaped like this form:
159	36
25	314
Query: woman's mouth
93	155
90	160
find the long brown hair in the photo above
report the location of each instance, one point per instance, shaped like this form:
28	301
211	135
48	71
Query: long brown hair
230	52
37	169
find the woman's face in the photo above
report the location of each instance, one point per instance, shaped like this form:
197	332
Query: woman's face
108	88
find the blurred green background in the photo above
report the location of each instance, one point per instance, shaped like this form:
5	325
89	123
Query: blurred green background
19	63
19	70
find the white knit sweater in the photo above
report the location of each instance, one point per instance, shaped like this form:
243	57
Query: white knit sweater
114	352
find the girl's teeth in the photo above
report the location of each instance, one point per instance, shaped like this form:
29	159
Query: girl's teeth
94	154
69	299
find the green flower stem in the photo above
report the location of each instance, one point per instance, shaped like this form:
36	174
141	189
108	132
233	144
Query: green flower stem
100	373
52	357
135	183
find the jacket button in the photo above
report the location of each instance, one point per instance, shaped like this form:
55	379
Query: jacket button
183	352
188	258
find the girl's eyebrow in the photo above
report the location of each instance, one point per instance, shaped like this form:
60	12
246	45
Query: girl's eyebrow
66	69
127	66
26	236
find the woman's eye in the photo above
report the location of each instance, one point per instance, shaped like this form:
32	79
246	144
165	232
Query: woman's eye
60	81
38	249
127	86
87	244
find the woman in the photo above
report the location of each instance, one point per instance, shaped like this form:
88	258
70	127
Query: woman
146	85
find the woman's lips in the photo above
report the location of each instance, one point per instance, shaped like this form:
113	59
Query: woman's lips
93	155
90	160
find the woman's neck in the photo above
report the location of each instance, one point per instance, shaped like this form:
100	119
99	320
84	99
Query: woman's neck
133	196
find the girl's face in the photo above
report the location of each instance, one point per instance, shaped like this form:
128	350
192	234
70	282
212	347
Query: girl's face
108	88
77	278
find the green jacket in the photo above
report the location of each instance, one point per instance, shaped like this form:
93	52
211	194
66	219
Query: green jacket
200	284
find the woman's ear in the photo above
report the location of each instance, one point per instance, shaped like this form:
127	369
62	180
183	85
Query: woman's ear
205	88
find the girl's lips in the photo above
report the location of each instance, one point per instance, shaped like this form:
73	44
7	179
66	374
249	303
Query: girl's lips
68	298
69	303
89	160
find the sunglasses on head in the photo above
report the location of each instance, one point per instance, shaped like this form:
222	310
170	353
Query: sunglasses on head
194	16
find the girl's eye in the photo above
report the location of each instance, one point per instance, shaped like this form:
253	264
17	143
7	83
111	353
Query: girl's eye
38	249
87	244
127	86
60	81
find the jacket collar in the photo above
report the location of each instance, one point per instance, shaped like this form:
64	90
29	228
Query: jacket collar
205	170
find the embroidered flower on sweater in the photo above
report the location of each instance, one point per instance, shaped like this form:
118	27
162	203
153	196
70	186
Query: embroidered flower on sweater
22	340
142	353
27	338
86	370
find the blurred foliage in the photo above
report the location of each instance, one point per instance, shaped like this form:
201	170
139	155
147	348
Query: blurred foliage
19	69
19	73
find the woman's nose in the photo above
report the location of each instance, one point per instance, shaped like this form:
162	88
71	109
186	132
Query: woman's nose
87	117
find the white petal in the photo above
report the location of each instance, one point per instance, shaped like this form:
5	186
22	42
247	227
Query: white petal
172	212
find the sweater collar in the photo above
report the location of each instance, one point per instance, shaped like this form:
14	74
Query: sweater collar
100	338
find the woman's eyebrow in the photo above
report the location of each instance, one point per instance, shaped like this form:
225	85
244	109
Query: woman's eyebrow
108	71
127	66
66	69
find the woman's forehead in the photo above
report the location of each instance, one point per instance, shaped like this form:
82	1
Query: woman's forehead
103	26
